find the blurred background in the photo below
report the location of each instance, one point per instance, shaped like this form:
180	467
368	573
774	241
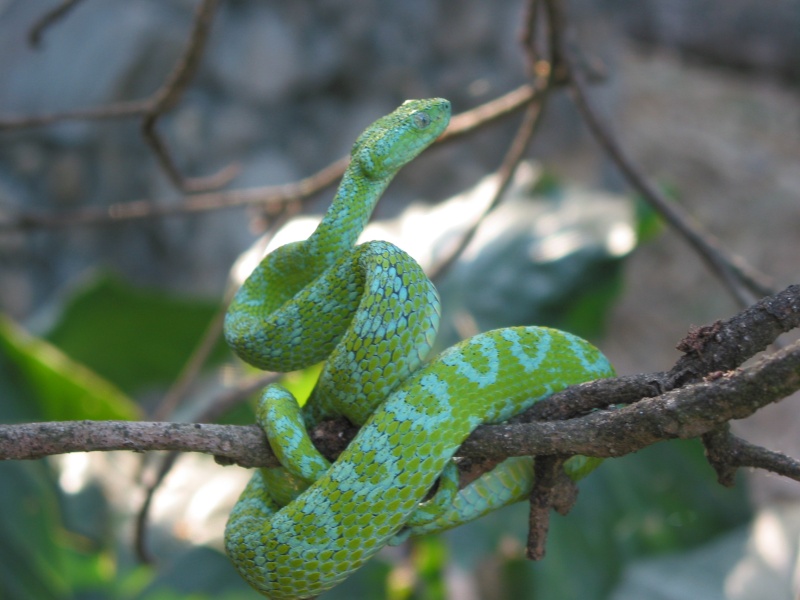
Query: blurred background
99	321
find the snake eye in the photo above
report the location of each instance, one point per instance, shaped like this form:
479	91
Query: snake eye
421	119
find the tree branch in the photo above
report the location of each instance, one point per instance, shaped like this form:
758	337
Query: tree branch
691	410
726	453
684	413
711	349
551	489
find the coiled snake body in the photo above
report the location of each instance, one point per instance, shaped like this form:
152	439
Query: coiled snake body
370	311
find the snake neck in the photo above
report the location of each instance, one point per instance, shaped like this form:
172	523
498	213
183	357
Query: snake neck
287	270
347	216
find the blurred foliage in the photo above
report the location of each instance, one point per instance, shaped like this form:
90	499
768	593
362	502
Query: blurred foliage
131	336
555	258
60	387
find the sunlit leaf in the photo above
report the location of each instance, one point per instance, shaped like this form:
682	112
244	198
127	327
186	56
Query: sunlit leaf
31	561
62	388
132	337
301	383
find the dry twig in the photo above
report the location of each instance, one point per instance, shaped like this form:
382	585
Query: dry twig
505	173
49	18
150	109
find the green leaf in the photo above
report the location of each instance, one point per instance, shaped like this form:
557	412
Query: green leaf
430	556
200	573
301	383
62	388
649	223
132	337
553	259
31	561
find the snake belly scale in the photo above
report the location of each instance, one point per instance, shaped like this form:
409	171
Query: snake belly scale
371	313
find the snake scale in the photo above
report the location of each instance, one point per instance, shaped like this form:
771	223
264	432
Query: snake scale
371	313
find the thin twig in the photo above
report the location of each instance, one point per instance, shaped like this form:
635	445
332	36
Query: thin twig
727	453
505	173
471	120
141	521
178	392
193	184
118	110
516	151
267	196
191	370
150	109
49	18
460	125
193	367
738	278
552	489
168	96
528	34
744	283
216	410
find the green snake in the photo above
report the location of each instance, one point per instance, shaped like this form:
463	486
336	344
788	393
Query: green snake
372	314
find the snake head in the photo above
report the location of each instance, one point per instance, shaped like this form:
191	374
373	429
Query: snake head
394	140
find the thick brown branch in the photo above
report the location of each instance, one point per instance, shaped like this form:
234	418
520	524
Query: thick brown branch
36	440
711	349
684	413
690	411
